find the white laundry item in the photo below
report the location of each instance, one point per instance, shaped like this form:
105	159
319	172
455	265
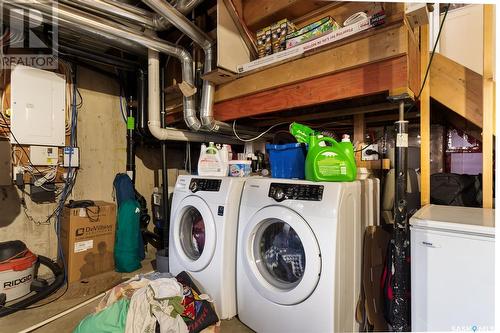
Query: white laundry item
122	290
155	303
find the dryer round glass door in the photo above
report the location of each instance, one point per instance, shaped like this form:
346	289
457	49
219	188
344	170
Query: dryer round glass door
282	257
194	233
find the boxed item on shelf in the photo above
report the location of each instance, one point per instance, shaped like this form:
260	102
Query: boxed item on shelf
264	45
311	31
375	20
279	30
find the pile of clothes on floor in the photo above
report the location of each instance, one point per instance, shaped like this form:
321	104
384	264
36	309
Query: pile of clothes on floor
153	302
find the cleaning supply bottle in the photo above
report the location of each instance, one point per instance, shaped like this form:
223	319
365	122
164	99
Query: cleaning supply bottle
225	159
334	163
301	132
349	151
210	162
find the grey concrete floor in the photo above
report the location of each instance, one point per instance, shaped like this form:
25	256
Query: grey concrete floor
78	293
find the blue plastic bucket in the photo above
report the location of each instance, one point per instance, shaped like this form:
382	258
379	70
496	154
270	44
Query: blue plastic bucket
288	160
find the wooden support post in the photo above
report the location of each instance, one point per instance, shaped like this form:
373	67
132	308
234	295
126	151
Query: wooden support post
359	135
488	105
425	120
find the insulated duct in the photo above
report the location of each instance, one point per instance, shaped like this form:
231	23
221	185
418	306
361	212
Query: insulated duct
171	14
135	15
111	40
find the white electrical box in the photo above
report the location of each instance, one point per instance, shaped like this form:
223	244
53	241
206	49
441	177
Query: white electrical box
71	157
38	102
369	157
40	155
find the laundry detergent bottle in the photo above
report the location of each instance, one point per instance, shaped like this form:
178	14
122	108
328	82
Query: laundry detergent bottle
330	161
211	162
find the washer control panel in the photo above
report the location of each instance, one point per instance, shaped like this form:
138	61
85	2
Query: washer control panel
286	191
203	184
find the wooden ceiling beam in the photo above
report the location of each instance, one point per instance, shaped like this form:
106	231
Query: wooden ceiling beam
330	114
374	78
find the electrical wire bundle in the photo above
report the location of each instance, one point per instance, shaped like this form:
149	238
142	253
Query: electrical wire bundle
65	192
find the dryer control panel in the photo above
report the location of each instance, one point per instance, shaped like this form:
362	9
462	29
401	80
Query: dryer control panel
286	191
203	184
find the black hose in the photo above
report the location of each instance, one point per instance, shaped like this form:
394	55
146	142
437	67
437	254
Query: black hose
164	169
52	288
130	142
142	116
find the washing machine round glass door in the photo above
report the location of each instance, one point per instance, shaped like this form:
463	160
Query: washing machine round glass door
282	257
194	233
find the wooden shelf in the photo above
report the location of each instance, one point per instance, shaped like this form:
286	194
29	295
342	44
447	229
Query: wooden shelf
372	62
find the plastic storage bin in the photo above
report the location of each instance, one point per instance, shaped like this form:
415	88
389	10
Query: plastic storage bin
288	160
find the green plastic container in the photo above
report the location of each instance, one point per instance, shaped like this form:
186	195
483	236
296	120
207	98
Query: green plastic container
330	163
301	132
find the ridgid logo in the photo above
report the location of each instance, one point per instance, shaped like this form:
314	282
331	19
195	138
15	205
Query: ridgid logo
14	283
28	33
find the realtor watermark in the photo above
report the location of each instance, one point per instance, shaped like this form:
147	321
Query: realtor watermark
28	36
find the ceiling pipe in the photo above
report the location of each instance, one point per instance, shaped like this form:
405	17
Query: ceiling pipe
132	14
182	23
113	41
154	123
154	114
74	18
105	59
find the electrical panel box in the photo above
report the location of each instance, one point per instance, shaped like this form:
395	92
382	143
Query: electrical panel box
38	103
71	154
40	155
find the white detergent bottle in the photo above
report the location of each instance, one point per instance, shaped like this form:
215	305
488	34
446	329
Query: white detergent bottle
210	162
225	159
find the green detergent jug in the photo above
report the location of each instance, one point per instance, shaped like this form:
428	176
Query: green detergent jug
333	163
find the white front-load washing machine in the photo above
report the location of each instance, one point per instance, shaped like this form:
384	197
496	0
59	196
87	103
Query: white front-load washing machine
203	232
296	268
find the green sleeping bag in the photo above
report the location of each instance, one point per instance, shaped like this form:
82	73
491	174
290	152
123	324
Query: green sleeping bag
113	319
127	240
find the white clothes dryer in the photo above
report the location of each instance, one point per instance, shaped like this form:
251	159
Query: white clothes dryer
203	232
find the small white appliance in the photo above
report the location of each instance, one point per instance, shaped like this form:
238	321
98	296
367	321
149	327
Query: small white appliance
203	230
296	268
452	269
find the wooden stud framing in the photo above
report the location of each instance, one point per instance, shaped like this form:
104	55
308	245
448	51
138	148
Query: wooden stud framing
425	120
458	88
488	105
359	135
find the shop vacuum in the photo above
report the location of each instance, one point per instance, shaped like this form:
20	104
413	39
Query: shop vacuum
19	277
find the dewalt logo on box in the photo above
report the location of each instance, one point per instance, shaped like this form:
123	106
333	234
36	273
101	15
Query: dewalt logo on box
96	230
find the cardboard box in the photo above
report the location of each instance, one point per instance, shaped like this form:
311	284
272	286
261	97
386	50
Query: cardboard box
279	30
311	31
264	45
88	240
